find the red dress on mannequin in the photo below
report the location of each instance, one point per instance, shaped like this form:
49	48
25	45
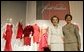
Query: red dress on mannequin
36	33
27	32
43	39
7	36
19	31
43	42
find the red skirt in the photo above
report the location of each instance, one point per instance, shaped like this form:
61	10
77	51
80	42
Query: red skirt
8	46
27	41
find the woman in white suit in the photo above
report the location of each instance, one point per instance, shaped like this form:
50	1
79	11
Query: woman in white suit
55	36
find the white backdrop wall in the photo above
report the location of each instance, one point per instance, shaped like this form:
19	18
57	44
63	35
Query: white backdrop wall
76	9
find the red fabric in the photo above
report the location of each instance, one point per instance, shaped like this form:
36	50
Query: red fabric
8	36
36	33
19	31
4	35
27	41
27	31
55	8
43	42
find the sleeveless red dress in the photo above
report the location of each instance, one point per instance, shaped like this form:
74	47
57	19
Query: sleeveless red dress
8	37
19	31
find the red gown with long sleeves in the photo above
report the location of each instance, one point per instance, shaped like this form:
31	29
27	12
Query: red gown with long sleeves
27	32
36	33
19	31
8	36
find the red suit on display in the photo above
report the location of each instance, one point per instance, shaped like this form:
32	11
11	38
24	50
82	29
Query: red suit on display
27	32
8	36
36	33
19	31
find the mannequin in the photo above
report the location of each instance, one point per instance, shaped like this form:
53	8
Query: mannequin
7	35
28	31
43	38
18	35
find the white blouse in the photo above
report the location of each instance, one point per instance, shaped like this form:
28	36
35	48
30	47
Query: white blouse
55	35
